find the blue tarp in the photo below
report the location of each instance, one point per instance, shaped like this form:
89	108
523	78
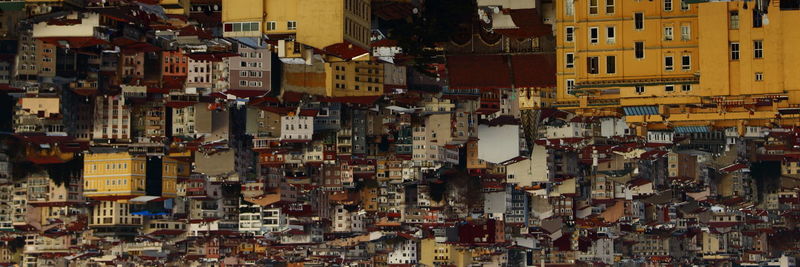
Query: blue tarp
641	110
692	129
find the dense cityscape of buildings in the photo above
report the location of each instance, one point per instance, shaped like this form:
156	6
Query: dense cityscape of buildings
399	133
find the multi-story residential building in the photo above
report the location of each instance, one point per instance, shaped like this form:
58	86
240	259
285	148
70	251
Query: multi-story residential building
614	54
38	114
250	72
114	174
112	118
35	59
114	218
337	27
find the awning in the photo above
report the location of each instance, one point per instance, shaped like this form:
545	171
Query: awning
692	129
641	110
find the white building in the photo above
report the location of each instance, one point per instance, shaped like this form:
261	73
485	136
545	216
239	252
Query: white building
297	127
199	77
660	137
613	127
273	220
404	252
499	143
111	118
345	221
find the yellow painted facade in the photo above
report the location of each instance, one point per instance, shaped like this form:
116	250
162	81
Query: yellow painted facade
175	7
715	64
433	253
316	23
608	48
114	174
353	78
170	170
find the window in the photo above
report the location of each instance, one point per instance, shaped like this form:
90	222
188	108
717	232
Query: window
570	85
242	83
594	35
733	20
667	5
569	35
611	64
291	25
686	87
759	76
684	5
758	49
639	50
243	73
734	51
639	89
686	62
686	32
611	35
569	8
668	63
758	19
241	26
669	88
668	34
592	65
570	60
609	6
593	7
638	21
272	25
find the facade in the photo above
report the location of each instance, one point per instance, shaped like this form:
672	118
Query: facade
115	174
250	72
325	25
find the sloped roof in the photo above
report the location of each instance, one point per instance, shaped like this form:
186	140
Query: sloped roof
501	71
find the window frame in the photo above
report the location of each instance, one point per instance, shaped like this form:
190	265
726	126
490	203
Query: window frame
594	35
569	60
735	54
758	49
684	66
638	19
636	50
669	63
569	34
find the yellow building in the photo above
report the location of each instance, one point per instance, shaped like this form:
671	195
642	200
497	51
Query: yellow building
117	174
353	78
643	59
433	253
175	7
336	78
625	53
316	23
170	170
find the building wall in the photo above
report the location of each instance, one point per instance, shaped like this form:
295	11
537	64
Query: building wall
318	23
250	70
629	70
111	119
114	174
111	213
723	75
354	78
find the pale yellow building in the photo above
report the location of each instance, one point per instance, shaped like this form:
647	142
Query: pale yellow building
614	53
354	78
116	174
433	253
331	25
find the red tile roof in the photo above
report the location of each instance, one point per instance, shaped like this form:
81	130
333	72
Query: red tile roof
247	93
535	70
529	24
501	71
345	50
478	71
